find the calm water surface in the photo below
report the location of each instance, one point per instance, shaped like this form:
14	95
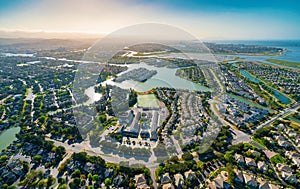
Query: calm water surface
8	136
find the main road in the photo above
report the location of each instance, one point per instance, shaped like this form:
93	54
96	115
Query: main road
239	135
282	113
85	147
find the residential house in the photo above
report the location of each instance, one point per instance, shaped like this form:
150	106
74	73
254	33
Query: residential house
283	168
239	176
280	126
220	182
273	186
240	159
294	156
250	162
296	161
168	186
288	176
262	166
255	153
284	143
140	181
250	181
178	180
189	175
165	178
297	140
290	132
263	184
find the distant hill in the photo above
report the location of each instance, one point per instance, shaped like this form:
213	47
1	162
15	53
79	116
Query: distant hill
43	44
22	40
47	35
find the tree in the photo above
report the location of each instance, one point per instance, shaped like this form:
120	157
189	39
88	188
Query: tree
160	170
61	180
174	159
31	179
147	171
102	118
231	174
229	156
3	158
60	150
42	183
97	160
76	173
187	156
90	176
8	187
37	158
132	98
81	156
75	183
107	182
63	186
96	177
50	180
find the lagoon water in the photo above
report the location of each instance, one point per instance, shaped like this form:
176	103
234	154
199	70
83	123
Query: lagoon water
250	77
281	97
292	47
165	77
8	136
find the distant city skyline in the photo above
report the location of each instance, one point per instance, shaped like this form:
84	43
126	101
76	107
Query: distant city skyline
216	19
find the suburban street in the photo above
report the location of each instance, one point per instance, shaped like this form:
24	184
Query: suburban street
284	112
85	147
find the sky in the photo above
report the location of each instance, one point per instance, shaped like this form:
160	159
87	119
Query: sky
205	19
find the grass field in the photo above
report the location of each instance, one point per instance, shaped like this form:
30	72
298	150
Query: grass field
284	63
148	100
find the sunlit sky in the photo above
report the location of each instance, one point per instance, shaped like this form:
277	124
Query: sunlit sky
207	19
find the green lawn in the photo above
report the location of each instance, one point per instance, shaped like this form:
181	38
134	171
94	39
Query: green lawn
148	100
285	63
277	159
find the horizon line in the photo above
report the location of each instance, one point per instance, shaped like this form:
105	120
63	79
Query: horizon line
101	34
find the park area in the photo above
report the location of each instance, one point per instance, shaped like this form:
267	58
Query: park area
147	101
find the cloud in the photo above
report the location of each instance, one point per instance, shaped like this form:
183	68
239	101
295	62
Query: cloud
105	16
